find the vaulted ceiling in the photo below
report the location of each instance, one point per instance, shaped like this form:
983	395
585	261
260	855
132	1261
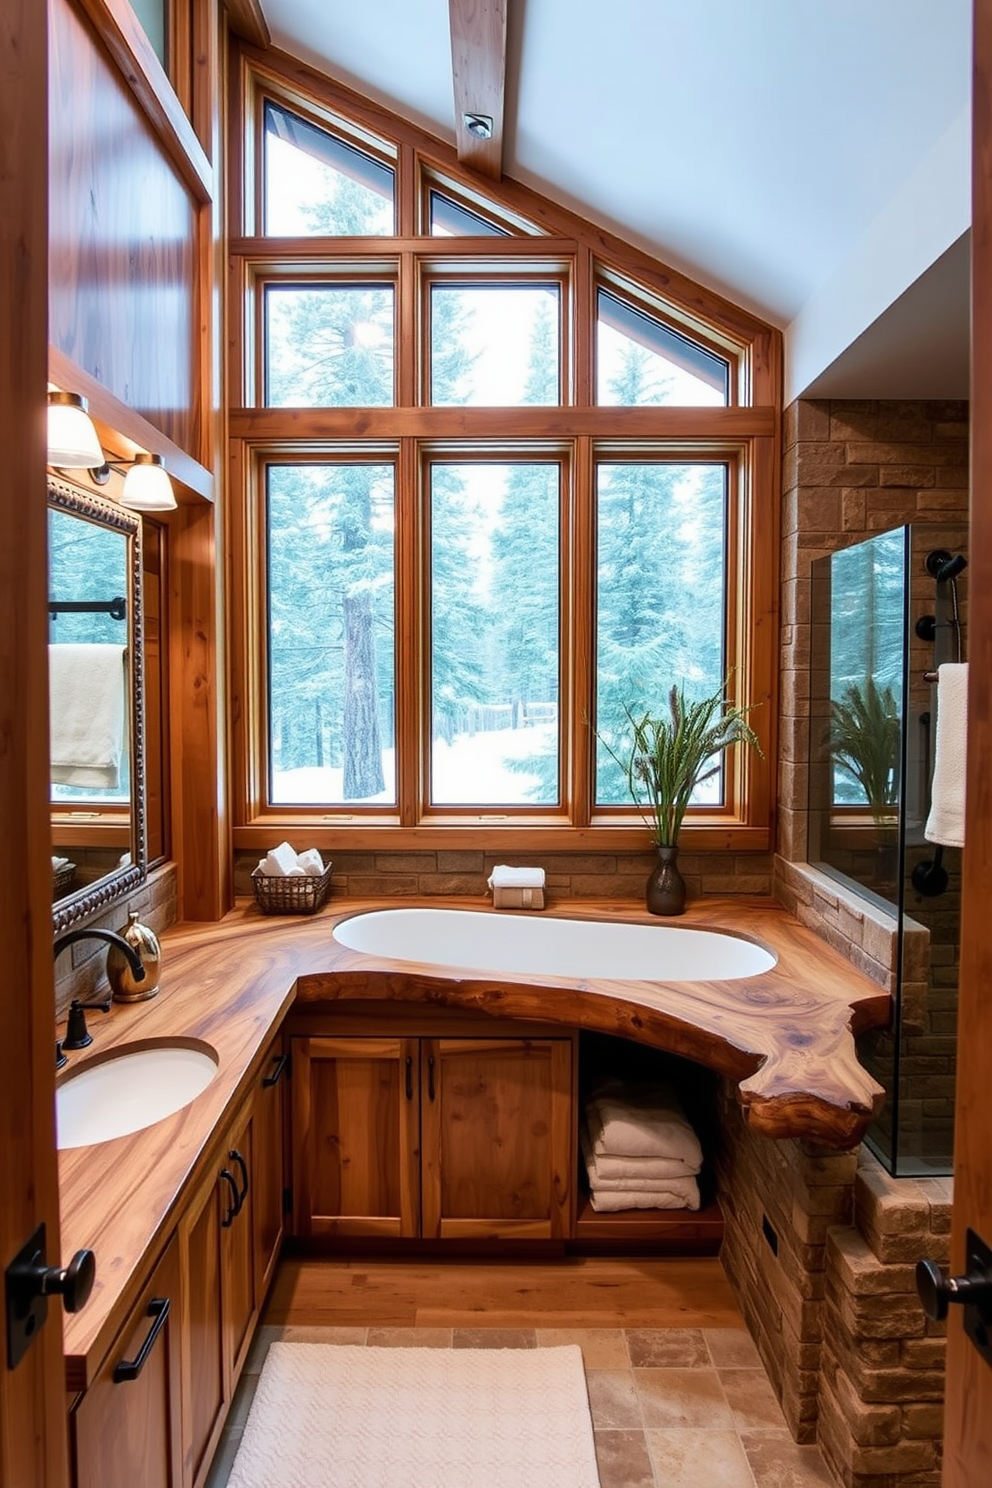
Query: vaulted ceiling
810	161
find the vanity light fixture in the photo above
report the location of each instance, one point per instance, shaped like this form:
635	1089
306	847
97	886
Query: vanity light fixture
147	487
72	439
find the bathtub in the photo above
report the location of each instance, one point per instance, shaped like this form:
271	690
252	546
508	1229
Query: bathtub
545	946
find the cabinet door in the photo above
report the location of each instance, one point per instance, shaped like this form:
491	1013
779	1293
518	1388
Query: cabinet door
126	1427
268	1177
497	1141
238	1248
356	1136
205	1387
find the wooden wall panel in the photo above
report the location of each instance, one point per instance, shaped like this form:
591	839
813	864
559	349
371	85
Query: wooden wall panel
32	1414
122	239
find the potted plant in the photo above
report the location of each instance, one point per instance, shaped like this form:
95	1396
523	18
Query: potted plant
669	757
865	739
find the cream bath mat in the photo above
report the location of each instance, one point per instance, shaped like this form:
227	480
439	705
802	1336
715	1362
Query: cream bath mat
327	1416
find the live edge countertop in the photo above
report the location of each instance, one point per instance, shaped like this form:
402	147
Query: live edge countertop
786	1035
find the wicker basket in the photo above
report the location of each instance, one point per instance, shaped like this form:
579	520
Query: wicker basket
62	880
291	895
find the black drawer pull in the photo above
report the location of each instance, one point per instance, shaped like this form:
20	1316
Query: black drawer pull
235	1208
409	1077
236	1156
129	1369
430	1078
278	1070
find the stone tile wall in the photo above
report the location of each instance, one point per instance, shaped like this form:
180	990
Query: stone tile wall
390	875
81	970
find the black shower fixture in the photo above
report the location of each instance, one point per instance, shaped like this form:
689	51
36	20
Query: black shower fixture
942	565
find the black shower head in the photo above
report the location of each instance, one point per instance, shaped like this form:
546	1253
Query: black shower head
952	568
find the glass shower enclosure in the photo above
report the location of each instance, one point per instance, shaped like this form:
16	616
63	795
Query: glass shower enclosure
886	613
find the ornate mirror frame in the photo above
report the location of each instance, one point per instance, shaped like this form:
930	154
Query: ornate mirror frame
110	887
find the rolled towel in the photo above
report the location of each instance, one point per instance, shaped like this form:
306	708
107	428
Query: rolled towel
681	1193
945	824
642	1122
504	877
281	862
311	862
630	1174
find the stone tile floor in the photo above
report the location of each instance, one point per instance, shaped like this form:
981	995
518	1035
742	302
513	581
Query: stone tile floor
671	1407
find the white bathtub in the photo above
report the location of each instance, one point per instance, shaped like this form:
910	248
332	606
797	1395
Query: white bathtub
544	946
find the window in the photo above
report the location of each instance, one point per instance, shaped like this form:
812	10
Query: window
496	479
316	183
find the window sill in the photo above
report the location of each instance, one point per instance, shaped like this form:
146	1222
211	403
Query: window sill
327	831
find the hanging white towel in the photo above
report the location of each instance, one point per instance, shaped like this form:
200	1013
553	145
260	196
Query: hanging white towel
945	824
87	700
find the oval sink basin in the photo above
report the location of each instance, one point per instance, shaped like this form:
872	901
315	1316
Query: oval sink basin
129	1089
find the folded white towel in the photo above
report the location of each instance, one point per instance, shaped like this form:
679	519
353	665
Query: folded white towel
504	877
642	1122
58	863
945	824
682	1193
311	862
631	1174
281	862
87	698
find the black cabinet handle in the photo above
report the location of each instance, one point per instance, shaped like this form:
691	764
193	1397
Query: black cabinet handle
235	1208
278	1070
129	1369
430	1077
409	1077
236	1156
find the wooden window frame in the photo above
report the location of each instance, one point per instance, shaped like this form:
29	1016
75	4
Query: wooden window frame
554	246
344	275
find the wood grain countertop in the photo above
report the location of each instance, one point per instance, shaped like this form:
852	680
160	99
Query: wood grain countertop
786	1035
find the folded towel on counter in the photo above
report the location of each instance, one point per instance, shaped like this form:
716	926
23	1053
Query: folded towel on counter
504	877
681	1193
641	1121
945	824
623	1175
87	703
284	862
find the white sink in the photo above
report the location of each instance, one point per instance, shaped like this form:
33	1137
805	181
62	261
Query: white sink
129	1089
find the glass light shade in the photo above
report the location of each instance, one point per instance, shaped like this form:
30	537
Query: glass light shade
72	439
147	486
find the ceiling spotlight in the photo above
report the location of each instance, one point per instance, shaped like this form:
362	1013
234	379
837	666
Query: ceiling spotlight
480	125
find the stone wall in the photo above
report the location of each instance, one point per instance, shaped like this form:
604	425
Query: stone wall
821	1248
581	875
81	970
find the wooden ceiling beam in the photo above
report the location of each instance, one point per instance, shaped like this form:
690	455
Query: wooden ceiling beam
246	20
478	66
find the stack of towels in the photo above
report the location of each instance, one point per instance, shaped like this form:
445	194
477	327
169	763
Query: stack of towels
284	862
640	1151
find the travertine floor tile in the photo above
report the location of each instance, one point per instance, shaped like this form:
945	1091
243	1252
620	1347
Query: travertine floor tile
683	1397
667	1348
753	1401
699	1459
602	1348
732	1348
777	1462
494	1338
410	1338
623	1460
613	1399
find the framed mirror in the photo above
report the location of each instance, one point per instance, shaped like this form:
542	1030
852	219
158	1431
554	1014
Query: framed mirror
97	702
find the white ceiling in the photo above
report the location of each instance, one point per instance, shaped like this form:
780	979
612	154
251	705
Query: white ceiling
789	153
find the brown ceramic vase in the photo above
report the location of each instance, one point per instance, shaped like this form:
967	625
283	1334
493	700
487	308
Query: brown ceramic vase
666	886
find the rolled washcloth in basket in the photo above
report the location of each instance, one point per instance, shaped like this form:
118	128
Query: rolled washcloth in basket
284	862
641	1121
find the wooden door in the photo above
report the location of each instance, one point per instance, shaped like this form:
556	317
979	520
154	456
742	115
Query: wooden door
32	1396
238	1249
268	1175
498	1149
126	1427
356	1136
204	1397
968	1408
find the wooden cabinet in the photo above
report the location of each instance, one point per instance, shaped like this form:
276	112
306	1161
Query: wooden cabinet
268	1141
126	1428
443	1138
